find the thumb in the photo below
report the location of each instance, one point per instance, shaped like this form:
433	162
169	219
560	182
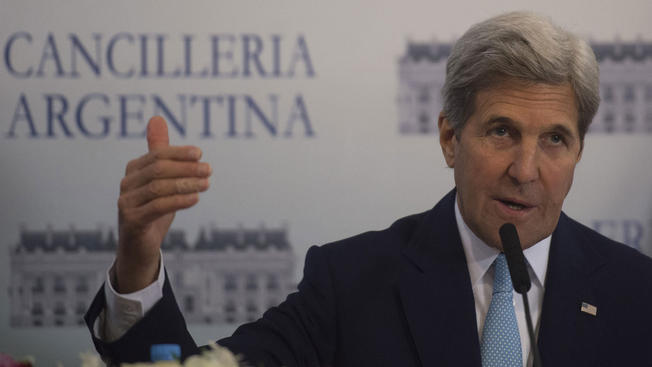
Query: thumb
157	133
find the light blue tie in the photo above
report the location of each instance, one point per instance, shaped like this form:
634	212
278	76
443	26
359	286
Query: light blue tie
501	343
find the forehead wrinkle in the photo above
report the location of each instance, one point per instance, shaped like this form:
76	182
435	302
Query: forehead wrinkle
506	95
550	98
489	104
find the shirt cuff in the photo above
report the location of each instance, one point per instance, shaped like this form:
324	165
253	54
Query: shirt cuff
125	310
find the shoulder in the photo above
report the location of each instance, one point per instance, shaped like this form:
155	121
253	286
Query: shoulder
622	262
388	240
374	246
369	257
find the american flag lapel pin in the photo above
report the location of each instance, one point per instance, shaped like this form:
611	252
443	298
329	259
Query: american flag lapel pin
589	308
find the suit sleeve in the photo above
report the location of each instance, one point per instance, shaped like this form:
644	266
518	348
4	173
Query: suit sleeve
163	324
301	331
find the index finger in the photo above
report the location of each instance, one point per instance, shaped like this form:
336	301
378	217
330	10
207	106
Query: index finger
173	153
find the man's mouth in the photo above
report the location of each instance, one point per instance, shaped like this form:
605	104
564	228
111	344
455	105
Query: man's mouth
515	205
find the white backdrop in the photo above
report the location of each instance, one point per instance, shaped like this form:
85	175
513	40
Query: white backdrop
355	172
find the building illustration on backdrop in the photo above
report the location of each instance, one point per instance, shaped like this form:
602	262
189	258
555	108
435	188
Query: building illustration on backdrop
228	276
625	87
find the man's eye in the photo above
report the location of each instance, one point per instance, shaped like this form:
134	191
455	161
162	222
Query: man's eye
500	131
556	139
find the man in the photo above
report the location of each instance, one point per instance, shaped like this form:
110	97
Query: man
519	96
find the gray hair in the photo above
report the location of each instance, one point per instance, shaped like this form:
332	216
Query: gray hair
524	46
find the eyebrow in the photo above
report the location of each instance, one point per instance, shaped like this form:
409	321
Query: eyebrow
506	120
563	129
500	119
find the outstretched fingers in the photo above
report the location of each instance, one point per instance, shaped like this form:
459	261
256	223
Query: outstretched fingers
174	153
141	216
162	188
163	170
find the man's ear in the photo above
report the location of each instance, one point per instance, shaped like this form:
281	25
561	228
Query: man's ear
447	139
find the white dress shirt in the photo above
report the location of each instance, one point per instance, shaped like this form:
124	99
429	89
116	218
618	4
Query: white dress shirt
479	259
124	310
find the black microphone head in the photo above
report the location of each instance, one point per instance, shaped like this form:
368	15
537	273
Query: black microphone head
515	259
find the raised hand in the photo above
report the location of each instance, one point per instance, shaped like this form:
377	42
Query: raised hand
156	185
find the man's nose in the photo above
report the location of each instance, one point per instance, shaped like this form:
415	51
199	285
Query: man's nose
525	163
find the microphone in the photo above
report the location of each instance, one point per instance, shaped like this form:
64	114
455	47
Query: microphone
520	277
515	259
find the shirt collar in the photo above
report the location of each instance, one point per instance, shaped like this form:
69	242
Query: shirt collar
480	256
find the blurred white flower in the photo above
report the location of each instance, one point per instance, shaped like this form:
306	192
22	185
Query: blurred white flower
90	359
215	357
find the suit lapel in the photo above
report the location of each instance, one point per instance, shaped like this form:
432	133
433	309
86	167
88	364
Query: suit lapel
436	292
568	335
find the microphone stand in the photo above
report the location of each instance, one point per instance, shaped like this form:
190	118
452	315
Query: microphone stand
530	330
520	278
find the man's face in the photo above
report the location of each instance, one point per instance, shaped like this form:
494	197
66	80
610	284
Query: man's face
514	159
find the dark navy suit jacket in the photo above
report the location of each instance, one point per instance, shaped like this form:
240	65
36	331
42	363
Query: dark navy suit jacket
403	297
